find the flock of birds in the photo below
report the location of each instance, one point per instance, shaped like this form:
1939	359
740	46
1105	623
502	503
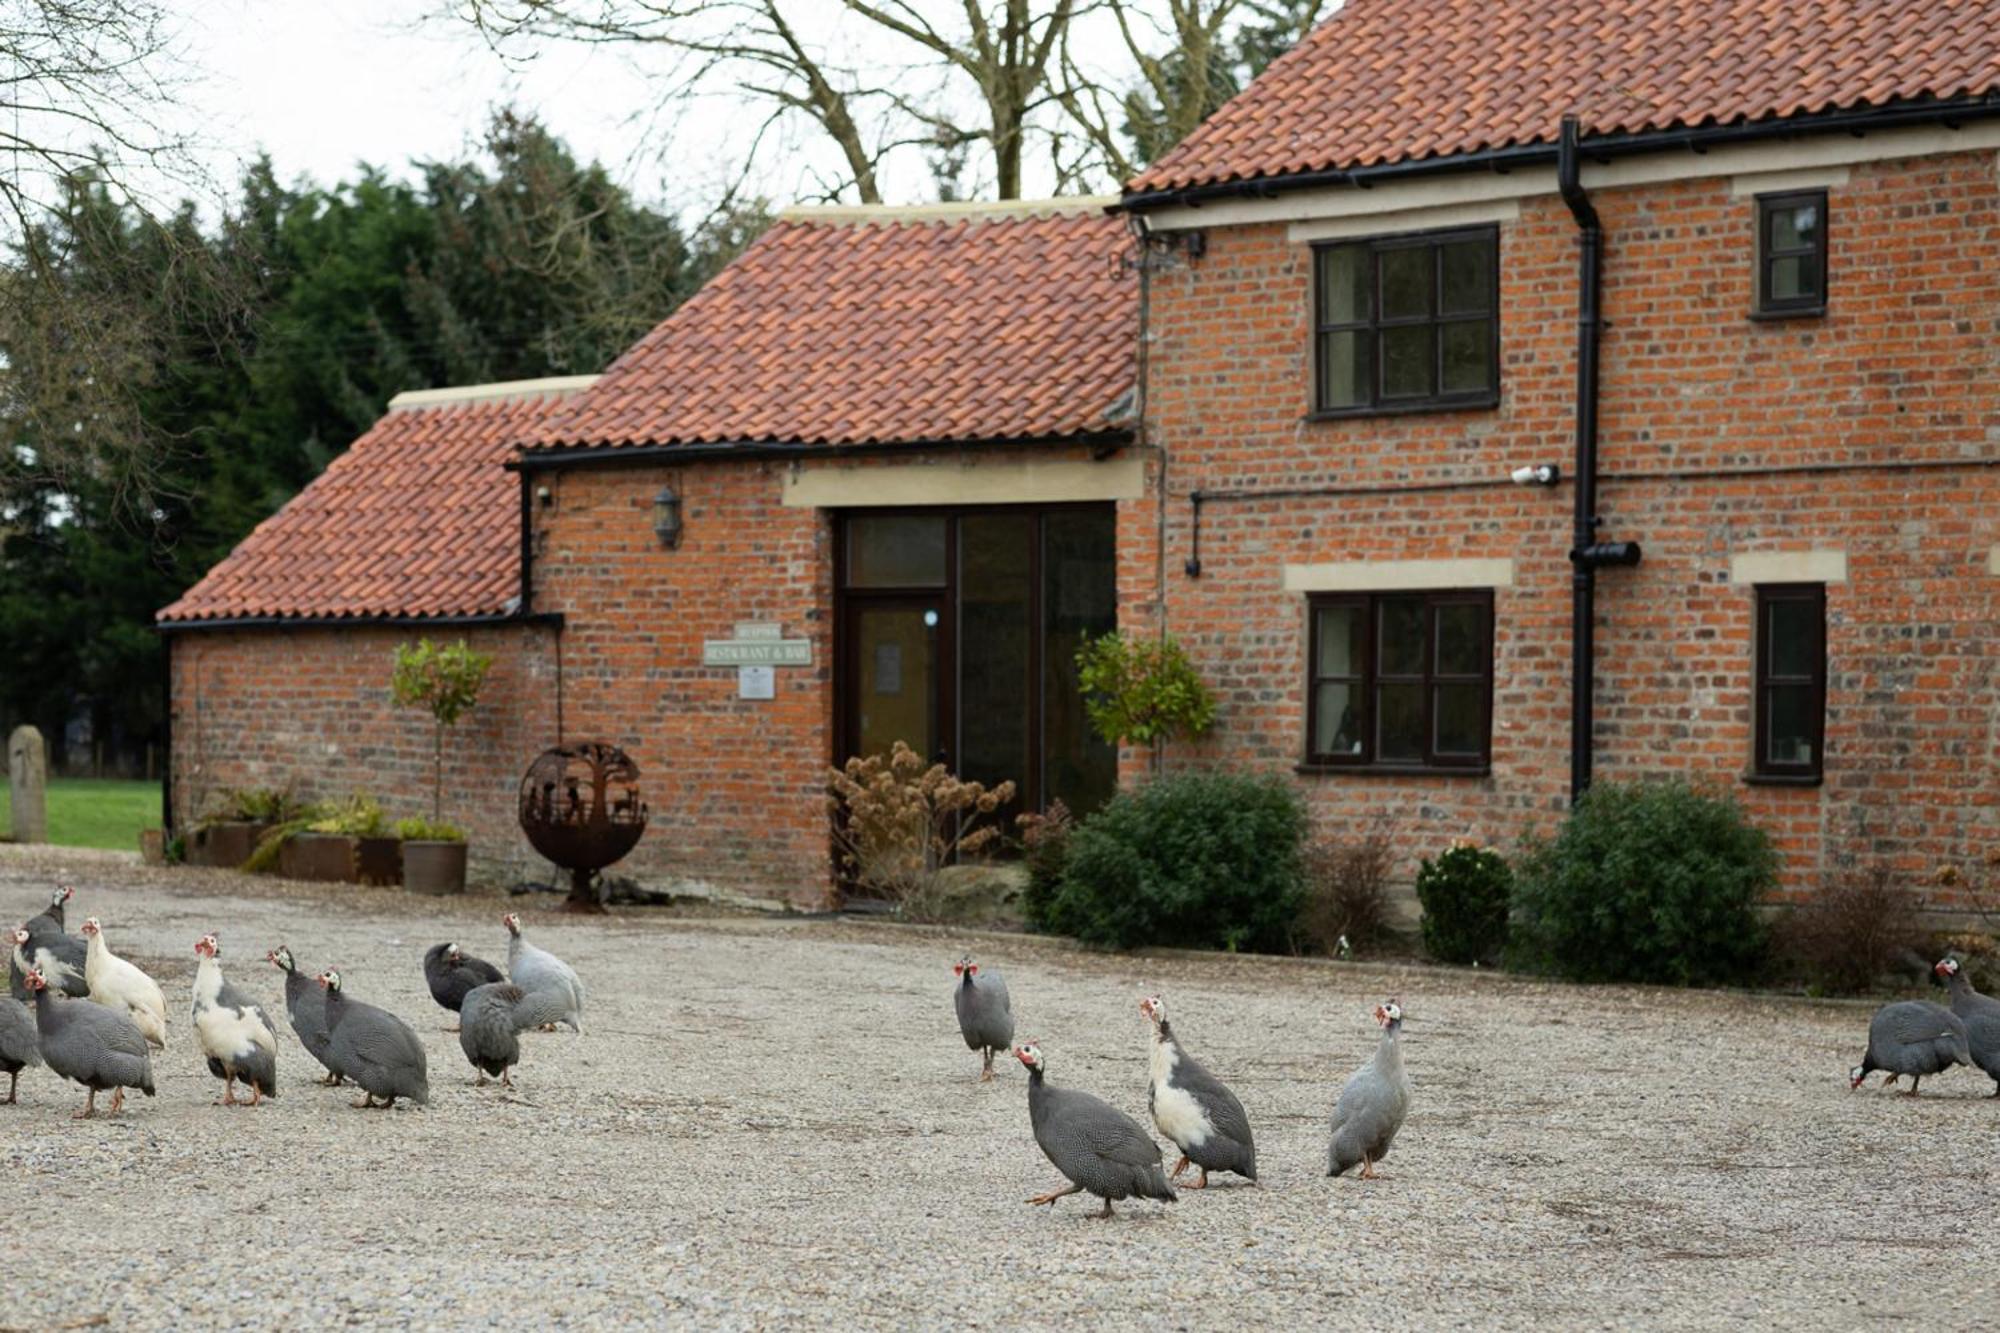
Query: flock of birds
97	1018
111	1017
1102	1151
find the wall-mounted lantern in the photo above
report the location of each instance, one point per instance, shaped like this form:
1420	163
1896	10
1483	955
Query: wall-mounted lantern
667	517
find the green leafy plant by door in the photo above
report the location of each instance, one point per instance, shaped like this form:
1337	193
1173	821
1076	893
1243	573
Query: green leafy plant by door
444	682
1137	691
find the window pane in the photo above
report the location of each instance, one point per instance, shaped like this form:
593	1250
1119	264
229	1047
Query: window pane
1406	282
1339	631
996	668
1468	277
1468	356
1409	359
896	551
1794	278
1337	720
1401	638
1794	227
1343	369
1461	725
1459	640
1343	285
1400	709
1788	722
1794	637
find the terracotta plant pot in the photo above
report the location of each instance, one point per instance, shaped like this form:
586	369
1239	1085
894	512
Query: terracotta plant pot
319	856
434	867
227	844
379	861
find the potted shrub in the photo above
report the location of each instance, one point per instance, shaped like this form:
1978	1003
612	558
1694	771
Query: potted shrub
433	856
445	683
1140	691
328	848
228	835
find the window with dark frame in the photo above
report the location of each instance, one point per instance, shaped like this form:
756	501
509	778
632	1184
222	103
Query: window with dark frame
1790	709
1406	323
1400	681
1791	253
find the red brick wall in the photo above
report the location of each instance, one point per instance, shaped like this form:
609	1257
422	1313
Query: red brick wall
310	708
1894	392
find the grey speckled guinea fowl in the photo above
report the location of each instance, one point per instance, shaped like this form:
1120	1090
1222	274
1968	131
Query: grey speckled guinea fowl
1193	1109
1981	1016
451	973
20	1044
91	1044
487	1030
305	1006
47	934
1372	1103
232	1030
985	1013
1100	1149
375	1048
1913	1037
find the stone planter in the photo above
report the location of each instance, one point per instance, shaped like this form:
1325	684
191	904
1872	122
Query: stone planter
378	861
153	846
227	844
434	867
320	856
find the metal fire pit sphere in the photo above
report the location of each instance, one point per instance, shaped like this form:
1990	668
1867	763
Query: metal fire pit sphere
580	808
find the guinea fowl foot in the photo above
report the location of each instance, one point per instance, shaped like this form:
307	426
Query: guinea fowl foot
1367	1169
1053	1195
1107	1214
117	1101
1179	1167
1201	1184
505	1081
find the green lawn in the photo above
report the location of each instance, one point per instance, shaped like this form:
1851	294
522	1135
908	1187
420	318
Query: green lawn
94	812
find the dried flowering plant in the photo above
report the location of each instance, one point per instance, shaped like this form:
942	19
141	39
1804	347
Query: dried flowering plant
898	822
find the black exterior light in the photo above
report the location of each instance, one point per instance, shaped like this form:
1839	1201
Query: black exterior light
1597	555
667	517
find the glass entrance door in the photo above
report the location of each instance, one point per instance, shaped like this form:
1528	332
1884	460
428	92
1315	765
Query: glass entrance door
893	666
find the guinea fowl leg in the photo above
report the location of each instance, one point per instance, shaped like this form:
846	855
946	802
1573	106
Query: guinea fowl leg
14	1081
1107	1214
228	1092
256	1094
89	1107
505	1081
986	1069
117	1100
1915	1080
1053	1195
1201	1184
1367	1167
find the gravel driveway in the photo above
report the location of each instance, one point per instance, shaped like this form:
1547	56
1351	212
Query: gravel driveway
770	1124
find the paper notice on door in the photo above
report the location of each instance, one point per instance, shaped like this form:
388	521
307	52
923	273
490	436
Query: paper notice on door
888	668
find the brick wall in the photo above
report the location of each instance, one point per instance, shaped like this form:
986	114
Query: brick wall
1893	396
310	709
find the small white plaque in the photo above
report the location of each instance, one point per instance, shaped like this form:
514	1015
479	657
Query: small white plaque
759	629
756	682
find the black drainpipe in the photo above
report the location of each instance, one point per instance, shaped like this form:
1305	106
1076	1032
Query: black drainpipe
1586	554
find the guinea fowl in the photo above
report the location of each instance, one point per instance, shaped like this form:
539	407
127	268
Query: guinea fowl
20	1045
119	985
985	1016
452	974
46	933
305	1006
487	1030
1981	1016
1913	1037
1372	1103
542	974
375	1048
92	1045
1099	1148
1193	1109
233	1030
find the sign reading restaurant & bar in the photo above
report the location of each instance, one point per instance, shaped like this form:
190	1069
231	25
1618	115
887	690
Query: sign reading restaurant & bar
757	643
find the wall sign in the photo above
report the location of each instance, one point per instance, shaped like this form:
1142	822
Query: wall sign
757	643
756	682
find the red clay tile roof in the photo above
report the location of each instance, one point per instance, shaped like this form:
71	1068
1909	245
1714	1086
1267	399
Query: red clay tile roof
877	329
417	518
1386	81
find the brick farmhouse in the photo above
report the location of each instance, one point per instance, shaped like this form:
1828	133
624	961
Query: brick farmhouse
1491	399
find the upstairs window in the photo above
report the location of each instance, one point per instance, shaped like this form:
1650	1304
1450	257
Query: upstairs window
1790	709
1791	253
1401	681
1407	323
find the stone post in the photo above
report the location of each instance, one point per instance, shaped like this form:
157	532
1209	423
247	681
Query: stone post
28	780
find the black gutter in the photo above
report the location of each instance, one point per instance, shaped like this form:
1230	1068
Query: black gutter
527	593
553	619
1949	114
1583	572
639	455
167	737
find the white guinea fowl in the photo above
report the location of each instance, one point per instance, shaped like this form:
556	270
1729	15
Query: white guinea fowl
232	1030
553	991
117	984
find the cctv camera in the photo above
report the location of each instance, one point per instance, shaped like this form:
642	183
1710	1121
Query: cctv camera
1542	474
